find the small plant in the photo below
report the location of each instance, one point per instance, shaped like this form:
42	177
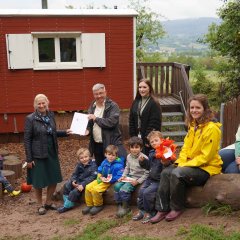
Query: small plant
182	231
71	222
217	209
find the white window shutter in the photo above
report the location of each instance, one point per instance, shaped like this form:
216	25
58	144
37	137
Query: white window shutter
93	50
19	51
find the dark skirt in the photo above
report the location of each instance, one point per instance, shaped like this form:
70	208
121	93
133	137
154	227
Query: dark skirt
46	171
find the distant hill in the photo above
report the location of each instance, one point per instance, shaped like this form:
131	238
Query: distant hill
182	35
192	27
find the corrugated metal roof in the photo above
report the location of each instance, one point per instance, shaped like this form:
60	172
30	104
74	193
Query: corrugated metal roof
68	12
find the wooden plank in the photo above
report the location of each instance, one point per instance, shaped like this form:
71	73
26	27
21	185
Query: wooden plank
156	80
167	80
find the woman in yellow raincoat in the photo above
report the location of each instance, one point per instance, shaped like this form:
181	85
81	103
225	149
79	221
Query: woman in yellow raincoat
198	160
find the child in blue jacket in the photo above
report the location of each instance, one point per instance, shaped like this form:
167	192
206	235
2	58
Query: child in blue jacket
109	172
84	173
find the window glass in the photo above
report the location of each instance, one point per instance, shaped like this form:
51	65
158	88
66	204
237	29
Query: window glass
46	50
68	49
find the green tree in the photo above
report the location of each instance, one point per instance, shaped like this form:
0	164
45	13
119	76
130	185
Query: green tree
225	39
148	27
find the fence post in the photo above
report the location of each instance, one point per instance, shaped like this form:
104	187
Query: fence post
222	122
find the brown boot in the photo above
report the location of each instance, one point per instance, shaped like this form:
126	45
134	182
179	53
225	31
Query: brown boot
158	217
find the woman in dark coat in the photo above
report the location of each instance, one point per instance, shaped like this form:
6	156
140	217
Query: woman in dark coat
145	113
41	148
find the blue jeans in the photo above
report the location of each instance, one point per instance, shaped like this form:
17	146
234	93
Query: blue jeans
73	194
229	164
123	192
6	183
147	196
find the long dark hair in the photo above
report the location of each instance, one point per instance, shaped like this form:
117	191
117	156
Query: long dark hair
207	114
151	91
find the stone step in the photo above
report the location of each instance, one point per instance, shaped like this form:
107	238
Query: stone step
179	144
174	133
178	123
172	114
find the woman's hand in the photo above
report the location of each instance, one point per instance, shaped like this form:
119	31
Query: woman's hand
238	161
30	164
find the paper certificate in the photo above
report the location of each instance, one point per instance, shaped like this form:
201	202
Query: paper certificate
79	123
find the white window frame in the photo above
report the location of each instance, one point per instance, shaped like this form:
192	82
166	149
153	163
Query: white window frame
57	64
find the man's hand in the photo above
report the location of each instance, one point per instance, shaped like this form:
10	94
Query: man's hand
91	117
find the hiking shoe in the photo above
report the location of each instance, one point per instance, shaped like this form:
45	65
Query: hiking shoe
51	206
96	209
138	216
63	209
14	193
42	210
86	210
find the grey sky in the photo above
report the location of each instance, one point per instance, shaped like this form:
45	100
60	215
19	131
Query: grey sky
170	9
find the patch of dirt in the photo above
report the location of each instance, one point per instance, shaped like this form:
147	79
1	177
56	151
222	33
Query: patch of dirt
19	216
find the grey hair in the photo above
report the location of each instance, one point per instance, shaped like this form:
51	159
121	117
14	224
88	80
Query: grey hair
98	86
38	96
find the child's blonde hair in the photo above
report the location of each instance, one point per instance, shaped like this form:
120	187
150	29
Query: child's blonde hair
82	151
154	134
112	149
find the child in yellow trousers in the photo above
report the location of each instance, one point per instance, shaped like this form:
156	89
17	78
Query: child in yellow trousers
109	172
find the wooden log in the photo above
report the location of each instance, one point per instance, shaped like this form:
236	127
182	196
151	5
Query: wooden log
219	189
10	175
1	190
4	152
14	165
11	157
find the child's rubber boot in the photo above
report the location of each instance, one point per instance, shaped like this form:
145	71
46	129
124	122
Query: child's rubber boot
14	193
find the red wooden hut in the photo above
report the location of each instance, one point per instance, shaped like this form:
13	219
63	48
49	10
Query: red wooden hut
63	53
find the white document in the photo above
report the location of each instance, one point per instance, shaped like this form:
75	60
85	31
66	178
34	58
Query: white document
168	154
79	123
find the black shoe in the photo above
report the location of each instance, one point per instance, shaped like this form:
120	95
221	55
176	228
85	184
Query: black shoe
96	209
63	209
51	206
86	210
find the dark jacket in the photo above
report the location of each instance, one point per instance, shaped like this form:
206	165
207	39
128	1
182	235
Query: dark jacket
36	136
154	166
84	174
151	119
109	124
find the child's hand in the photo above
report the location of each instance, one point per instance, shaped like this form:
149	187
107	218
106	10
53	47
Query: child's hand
134	182
74	184
165	162
103	179
80	188
141	157
120	179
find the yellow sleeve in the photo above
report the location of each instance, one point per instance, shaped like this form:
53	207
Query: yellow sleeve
209	148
